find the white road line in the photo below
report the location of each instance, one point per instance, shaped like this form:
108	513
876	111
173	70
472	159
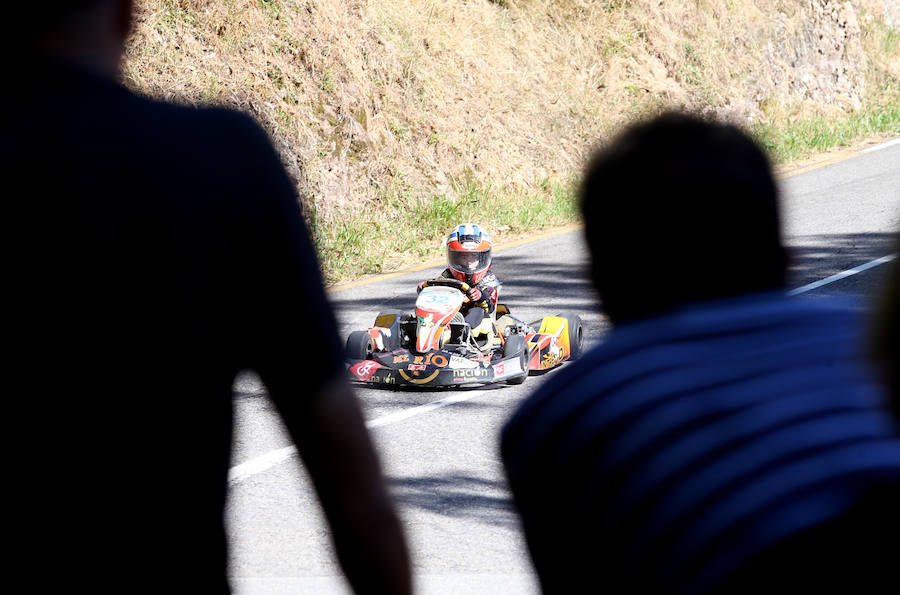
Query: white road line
270	459
260	464
407	413
843	275
883	145
267	461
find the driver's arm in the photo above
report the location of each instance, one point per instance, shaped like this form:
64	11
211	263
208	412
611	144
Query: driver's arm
486	302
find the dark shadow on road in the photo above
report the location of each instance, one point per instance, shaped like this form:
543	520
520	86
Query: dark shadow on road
813	258
548	288
250	395
458	495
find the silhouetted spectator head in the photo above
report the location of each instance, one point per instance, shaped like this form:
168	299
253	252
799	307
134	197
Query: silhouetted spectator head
679	210
91	32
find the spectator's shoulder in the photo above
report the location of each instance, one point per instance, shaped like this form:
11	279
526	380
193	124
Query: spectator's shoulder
224	147
214	127
563	392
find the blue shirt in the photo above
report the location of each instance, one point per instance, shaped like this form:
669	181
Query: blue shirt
685	444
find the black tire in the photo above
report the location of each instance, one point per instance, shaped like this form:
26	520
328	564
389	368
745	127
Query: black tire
359	345
516	344
576	337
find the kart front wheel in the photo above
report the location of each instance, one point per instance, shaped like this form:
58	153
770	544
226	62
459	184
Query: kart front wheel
359	345
516	345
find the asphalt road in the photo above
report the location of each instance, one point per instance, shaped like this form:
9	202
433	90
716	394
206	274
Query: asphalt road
442	460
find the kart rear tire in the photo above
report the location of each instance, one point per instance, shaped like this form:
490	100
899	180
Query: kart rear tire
516	344
359	345
576	337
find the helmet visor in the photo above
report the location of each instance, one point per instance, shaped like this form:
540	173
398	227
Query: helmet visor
469	261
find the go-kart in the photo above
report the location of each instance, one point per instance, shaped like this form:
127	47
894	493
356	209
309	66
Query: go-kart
436	348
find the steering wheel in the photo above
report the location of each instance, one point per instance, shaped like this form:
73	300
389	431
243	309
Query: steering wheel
454	283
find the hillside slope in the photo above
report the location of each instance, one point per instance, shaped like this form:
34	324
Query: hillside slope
395	117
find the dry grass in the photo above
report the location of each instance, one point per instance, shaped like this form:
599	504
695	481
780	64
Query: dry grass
377	106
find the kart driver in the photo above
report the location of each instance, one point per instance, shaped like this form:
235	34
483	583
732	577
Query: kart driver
469	261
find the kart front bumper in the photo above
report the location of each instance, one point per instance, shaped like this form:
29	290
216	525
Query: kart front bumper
406	373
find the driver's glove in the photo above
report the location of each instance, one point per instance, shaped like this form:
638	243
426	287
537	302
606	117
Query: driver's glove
474	294
420	286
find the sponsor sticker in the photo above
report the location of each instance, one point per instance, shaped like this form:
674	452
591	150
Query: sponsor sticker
457	361
471	373
419	367
504	369
551	359
401	359
434	359
365	370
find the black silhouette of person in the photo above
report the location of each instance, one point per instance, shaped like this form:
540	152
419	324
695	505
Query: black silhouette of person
724	437
155	251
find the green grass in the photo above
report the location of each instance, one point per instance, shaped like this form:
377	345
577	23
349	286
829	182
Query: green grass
273	7
403	230
327	83
174	13
802	138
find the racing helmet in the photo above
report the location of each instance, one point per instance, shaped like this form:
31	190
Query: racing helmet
468	253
